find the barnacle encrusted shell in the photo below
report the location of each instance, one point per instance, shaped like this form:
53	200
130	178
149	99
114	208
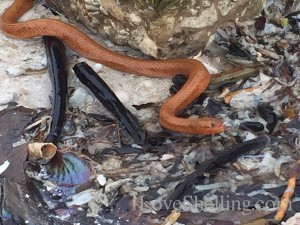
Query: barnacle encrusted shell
164	28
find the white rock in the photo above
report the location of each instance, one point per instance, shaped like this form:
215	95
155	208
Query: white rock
8	97
97	67
80	97
15	70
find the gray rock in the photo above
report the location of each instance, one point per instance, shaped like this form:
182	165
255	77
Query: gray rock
158	28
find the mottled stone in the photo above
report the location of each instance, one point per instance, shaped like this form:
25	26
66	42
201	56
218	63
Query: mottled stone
165	28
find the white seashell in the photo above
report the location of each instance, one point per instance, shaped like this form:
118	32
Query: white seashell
81	198
4	166
101	179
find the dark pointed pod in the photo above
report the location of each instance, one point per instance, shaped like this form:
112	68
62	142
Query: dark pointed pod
57	63
107	97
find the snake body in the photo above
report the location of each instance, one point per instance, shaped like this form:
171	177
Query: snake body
197	74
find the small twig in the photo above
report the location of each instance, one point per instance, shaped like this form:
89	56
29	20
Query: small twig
288	194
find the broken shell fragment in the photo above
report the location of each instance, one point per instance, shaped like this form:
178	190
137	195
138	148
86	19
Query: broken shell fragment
42	152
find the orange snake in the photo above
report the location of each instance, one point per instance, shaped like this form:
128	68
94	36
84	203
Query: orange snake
197	74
